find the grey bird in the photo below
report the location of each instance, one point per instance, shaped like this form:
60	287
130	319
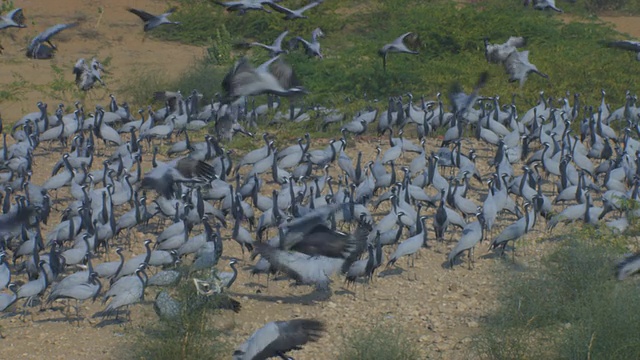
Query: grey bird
543	5
14	18
518	66
629	265
5	272
396	46
167	307
6	300
37	48
245	80
164	278
185	170
274	49
126	291
627	45
498	53
277	338
312	47
153	21
471	236
294	14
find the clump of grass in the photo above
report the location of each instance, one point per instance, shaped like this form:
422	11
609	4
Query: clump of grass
569	307
381	341
191	336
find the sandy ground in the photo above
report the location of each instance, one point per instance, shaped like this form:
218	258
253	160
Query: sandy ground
440	308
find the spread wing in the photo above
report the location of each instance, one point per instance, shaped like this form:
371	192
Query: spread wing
145	16
280	9
626	45
50	32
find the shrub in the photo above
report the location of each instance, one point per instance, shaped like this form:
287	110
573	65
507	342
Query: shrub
569	307
189	337
381	341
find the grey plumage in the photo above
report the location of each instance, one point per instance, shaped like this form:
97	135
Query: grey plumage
627	45
279	337
153	21
396	46
627	266
167	307
14	18
37	48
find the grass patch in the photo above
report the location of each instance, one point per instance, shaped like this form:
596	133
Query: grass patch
191	336
381	341
450	45
570	307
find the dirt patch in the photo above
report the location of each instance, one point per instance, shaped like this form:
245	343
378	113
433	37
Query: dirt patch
625	24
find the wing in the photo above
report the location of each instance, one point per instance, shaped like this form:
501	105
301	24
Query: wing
626	45
401	38
278	42
280	9
515	41
15	14
145	16
171	11
316	34
309	6
285	75
292	335
50	32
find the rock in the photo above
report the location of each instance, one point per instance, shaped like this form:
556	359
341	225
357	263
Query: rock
472	324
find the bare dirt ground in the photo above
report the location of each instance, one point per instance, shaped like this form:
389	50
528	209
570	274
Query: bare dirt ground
441	308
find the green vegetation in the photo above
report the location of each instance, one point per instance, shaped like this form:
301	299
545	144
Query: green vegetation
450	45
192	336
381	341
570	307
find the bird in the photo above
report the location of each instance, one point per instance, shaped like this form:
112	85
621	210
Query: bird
242	6
277	338
471	236
14	18
37	48
627	266
167	307
88	75
276	48
153	21
498	53
185	170
126	291
245	80
627	45
543	5
518	67
294	14
7	300
312	47
396	46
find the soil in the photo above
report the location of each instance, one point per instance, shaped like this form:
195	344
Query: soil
439	307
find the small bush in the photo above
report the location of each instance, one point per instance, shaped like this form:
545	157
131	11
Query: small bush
189	337
379	342
569	307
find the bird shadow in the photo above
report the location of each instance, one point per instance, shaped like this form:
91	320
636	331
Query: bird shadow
394	271
307	299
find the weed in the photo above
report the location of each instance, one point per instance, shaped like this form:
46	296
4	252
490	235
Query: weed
569	307
381	341
191	336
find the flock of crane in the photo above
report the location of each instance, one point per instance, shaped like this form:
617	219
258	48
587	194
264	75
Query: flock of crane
320	218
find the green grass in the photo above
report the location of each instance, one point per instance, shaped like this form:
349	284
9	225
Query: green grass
450	45
381	341
449	41
570	307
